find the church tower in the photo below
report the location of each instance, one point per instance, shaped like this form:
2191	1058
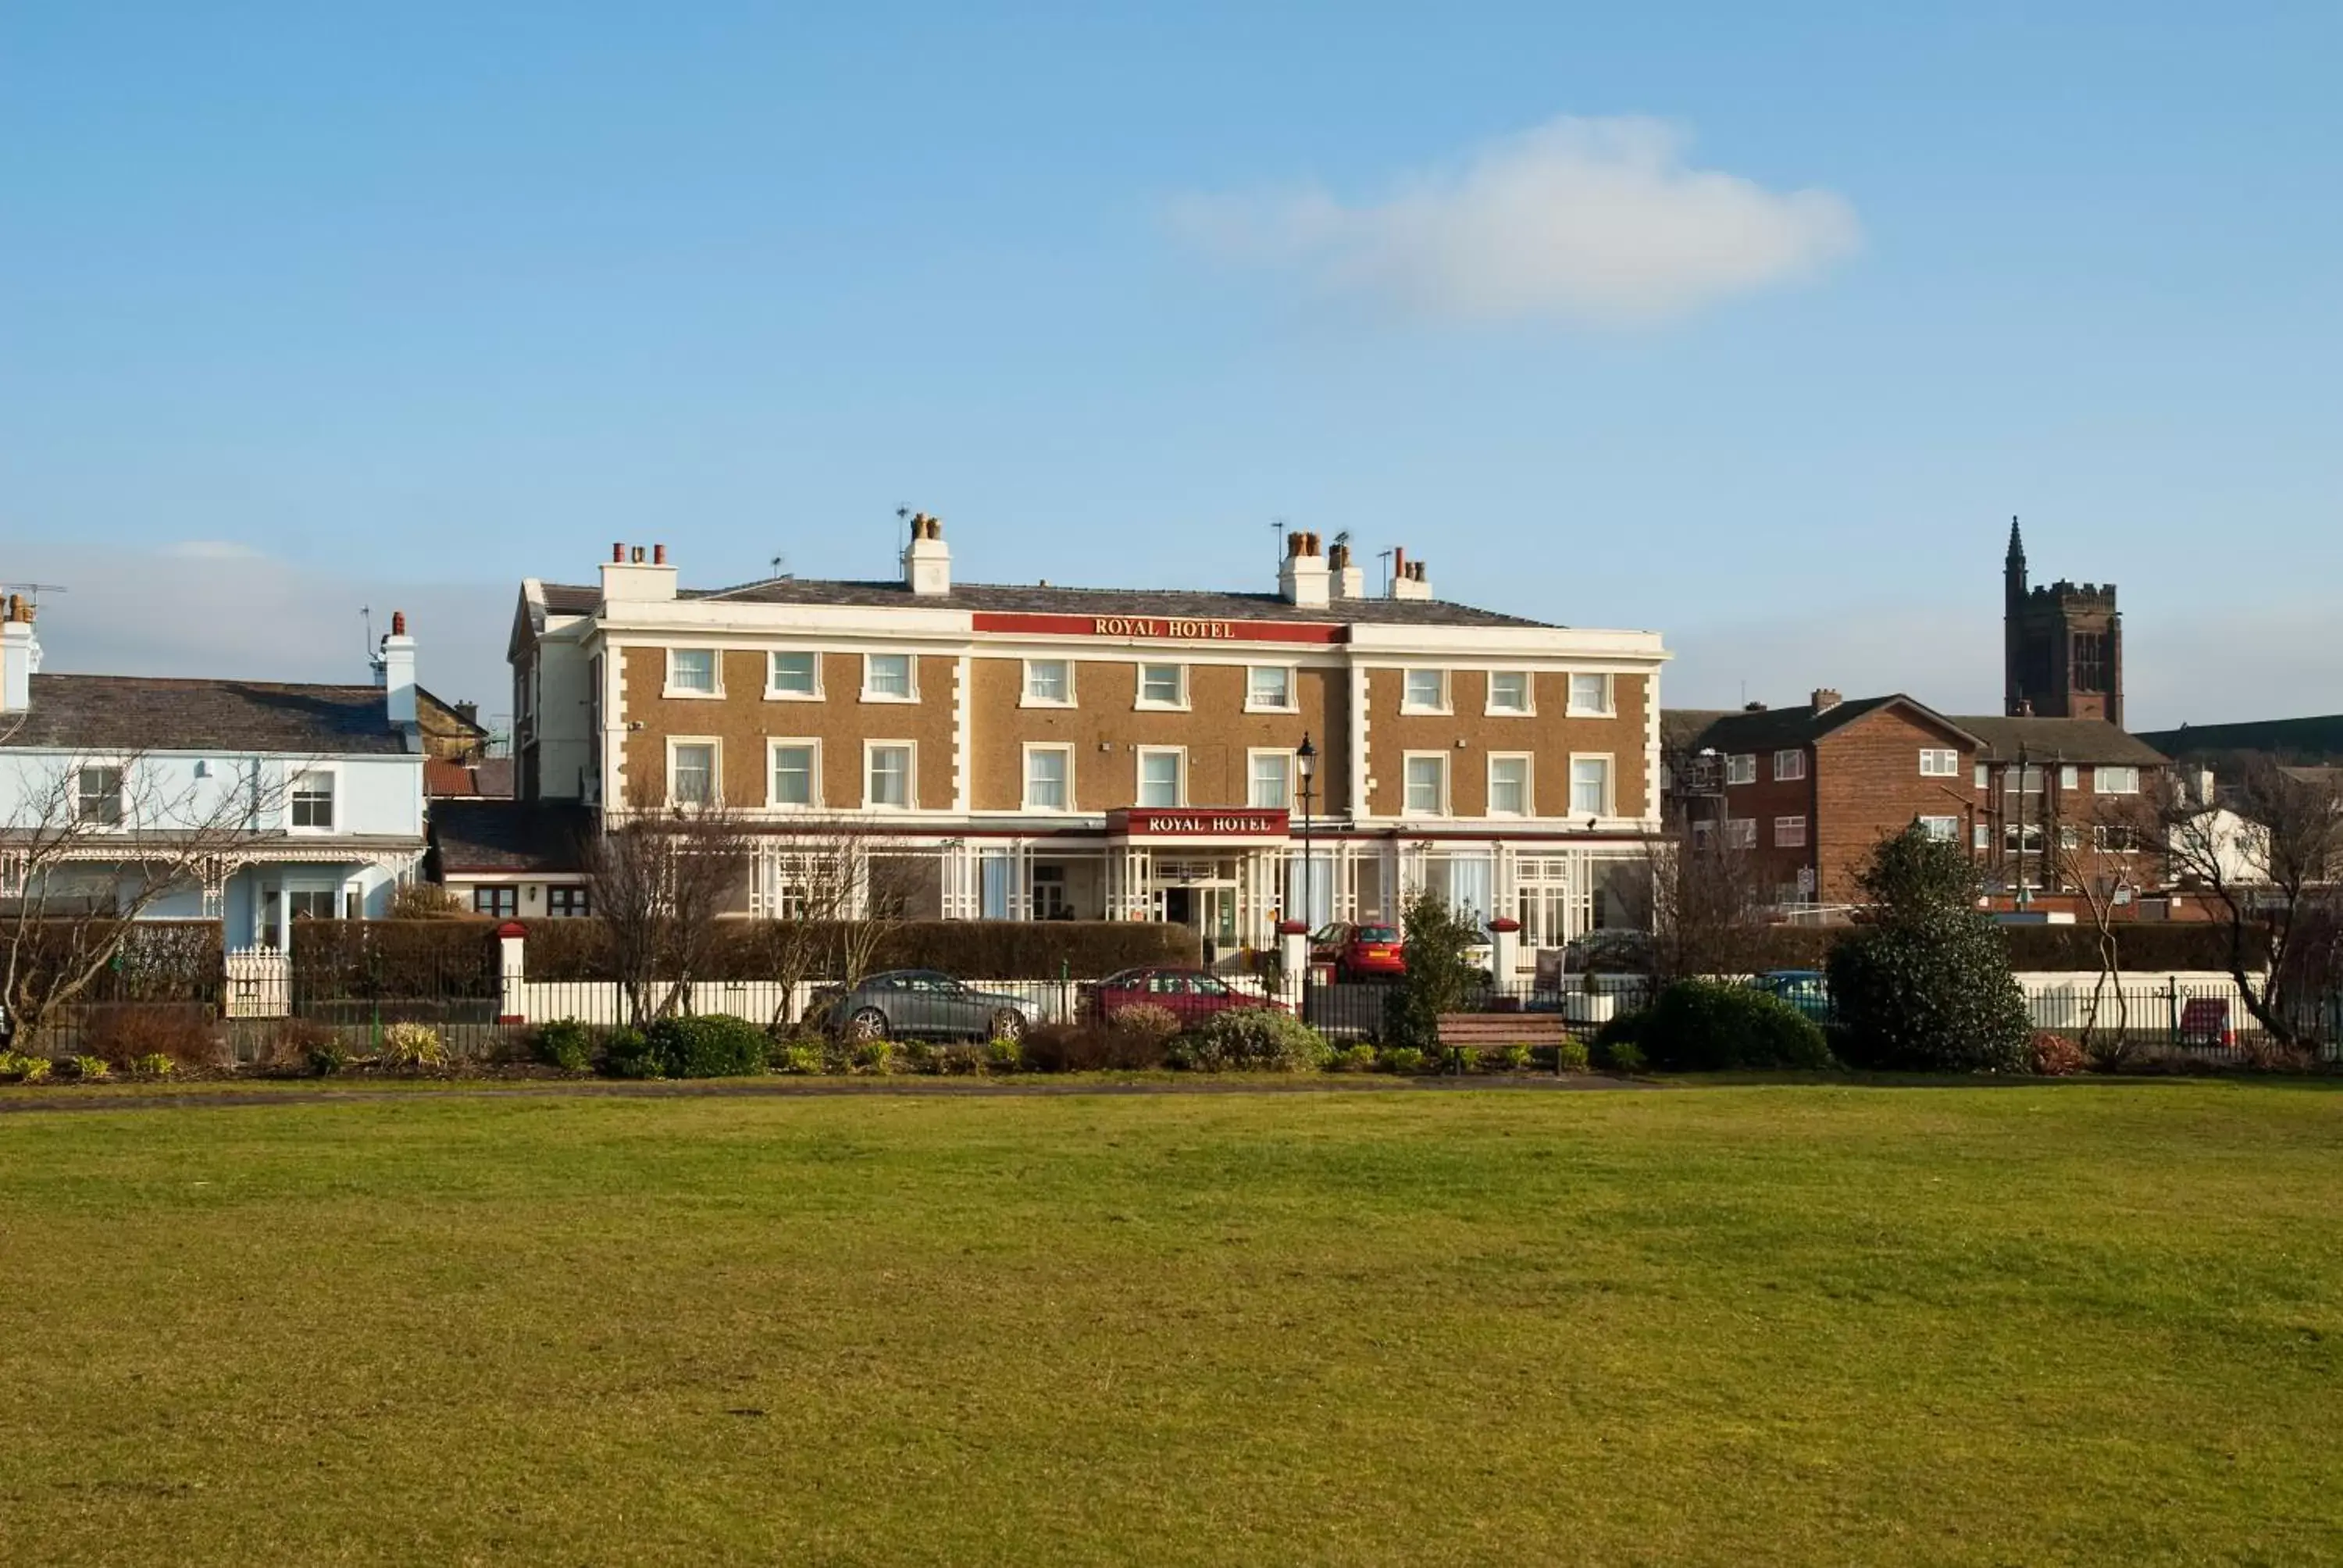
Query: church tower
2062	645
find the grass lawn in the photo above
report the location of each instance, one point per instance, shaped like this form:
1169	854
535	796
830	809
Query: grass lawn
2090	1322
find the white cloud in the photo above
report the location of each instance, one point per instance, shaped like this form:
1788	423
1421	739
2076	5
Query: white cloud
1595	221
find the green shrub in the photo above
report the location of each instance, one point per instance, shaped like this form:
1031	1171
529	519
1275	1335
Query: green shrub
875	1056
327	1057
1100	1048
972	950
1353	1059
1437	978
1400	1059
17	1067
957	1059
1621	1056
566	1044
1145	1020
156	1065
1250	1039
1003	1056
1621	1028
1926	985
716	1045
1570	1055
628	1054
803	1059
1507	1058
413	1048
1712	1026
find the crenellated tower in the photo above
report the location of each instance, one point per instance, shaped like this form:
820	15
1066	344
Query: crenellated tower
2062	645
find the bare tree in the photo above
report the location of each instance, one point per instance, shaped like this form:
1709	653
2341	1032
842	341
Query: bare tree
2103	857
1707	906
662	878
836	892
2269	851
92	845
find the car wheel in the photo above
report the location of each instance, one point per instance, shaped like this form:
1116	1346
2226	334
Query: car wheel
1008	1024
868	1023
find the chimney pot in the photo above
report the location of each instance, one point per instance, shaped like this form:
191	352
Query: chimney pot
637	554
658	555
398	623
1824	699
618	555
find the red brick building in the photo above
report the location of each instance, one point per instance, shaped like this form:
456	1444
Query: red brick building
1809	790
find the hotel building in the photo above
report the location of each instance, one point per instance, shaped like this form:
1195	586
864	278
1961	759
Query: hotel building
1036	752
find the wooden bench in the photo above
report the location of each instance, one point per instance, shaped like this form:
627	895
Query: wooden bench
1496	1030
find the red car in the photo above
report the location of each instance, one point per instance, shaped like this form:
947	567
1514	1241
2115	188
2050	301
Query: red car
1358	952
1190	995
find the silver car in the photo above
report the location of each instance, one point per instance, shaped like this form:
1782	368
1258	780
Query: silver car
924	1004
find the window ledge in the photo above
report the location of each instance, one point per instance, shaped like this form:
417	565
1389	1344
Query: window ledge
895	697
773	696
1047	702
1590	713
1250	707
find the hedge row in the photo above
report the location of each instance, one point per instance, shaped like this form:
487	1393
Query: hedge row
159	960
366	960
2144	946
973	949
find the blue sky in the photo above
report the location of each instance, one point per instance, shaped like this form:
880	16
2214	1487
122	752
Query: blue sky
1755	328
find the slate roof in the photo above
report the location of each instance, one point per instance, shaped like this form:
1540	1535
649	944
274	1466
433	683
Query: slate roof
569	598
2314	742
1773	728
508	836
143	713
1023	598
2084	740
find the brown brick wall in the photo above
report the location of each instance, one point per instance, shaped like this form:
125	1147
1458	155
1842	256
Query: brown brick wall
743	720
1216	730
1768	799
1550	736
1868	786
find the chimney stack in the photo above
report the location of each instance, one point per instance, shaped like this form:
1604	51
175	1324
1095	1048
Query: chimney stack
1825	700
397	671
927	559
1408	578
1349	580
20	656
636	575
1302	580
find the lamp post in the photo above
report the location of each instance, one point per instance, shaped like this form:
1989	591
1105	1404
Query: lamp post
1305	764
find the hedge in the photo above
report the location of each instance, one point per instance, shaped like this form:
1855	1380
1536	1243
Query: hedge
369	960
973	949
2145	947
159	960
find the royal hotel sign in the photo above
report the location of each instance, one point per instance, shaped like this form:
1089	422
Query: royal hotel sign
1198	822
1157	628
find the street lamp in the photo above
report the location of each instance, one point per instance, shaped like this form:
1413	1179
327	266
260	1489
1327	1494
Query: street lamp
1305	764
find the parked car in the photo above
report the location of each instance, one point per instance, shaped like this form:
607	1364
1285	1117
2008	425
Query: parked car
1808	991
1188	995
1359	952
1609	949
925	1004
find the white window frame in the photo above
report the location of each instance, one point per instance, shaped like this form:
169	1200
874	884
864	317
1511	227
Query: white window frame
1741	832
121	766
1529	782
1790	833
1178	754
1572	706
774	745
1741	768
692	693
1409	703
1293	703
1610	782
1981	836
2070	777
1407	806
1146	704
1032	750
910	750
1789	765
910	676
293	774
715	744
1252	756
1985	775
1528	710
1944	829
773	693
1940	762
2099	785
1025	695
